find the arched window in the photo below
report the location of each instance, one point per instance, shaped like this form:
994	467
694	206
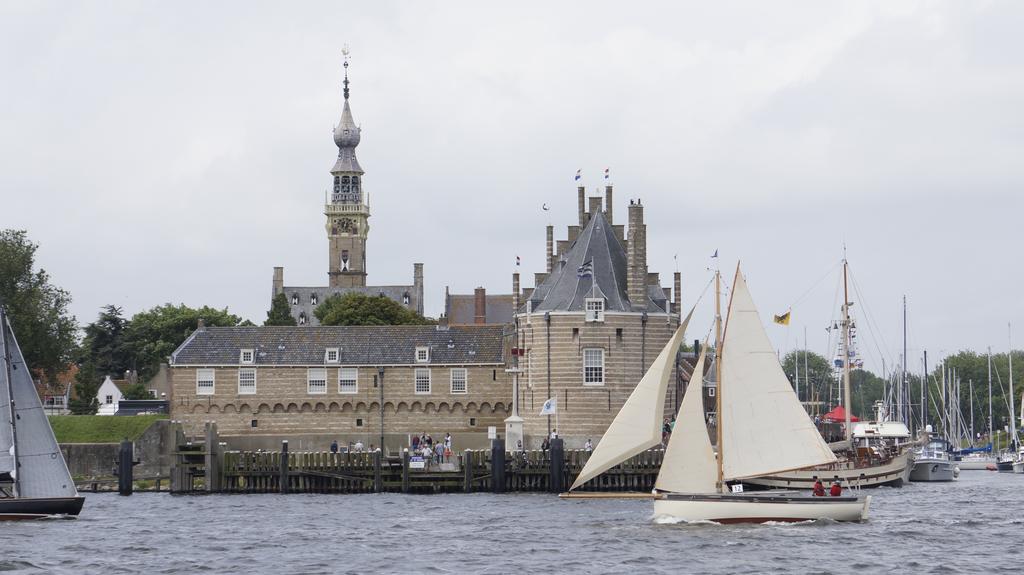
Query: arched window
295	299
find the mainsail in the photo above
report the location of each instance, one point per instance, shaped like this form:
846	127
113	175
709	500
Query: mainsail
689	463
764	427
637	427
41	470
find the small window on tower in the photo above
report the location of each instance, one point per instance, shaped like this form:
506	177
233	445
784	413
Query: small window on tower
344	179
302	319
405	298
295	299
312	299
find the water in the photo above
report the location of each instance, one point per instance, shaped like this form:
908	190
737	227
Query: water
972	526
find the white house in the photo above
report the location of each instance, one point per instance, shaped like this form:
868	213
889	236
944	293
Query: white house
109	396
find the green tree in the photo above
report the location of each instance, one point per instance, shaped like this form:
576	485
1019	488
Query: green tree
87	385
104	344
45	329
154	334
359	309
815	379
279	313
136	391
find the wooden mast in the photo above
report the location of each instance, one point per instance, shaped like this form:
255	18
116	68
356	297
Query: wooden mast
718	377
846	352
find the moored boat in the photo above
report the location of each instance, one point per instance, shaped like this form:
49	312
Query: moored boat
932	462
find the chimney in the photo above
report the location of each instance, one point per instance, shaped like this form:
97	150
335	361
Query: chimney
677	300
480	301
608	203
595	206
278	281
581	195
636	257
417	281
549	257
515	291
442	323
201	325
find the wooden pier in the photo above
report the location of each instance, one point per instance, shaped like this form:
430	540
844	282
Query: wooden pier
204	465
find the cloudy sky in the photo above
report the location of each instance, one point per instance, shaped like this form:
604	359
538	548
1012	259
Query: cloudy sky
168	152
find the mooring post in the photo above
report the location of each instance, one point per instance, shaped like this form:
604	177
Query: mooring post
497	465
467	471
212	460
557	465
378	478
405	471
283	487
124	468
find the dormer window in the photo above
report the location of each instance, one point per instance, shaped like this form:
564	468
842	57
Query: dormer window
331	355
302	319
594	309
405	298
312	299
247	356
422	354
295	299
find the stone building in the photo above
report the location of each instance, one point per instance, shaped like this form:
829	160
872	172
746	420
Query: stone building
347	212
312	385
478	307
593	324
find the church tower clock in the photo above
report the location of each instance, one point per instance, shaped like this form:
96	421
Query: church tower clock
346	209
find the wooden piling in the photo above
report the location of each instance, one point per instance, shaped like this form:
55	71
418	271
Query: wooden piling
557	465
405	471
283	468
125	464
497	465
378	476
467	471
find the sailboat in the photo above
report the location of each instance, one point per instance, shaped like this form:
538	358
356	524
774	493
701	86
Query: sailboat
34	478
761	428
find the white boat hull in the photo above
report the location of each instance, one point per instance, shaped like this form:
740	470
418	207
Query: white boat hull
934	470
754	508
977	464
1018	467
895	472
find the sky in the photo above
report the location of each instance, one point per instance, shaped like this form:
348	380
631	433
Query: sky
176	152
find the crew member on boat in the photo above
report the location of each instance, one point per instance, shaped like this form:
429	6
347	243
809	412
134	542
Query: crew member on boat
819	489
836	490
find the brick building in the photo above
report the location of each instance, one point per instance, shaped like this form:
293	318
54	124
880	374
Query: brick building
592	325
347	212
312	385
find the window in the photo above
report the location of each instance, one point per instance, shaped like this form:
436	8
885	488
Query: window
711	392
459	380
302	319
422	354
405	298
152	394
246	356
575	334
247	381
295	299
204	382
593	367
110	399
348	380
316	380
422	380
595	309
359	422
472	422
331	355
254	423
618	334
312	299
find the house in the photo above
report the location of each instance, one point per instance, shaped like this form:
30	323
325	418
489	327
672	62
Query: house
109	395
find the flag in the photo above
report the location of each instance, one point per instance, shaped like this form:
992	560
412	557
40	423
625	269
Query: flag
550	407
579	174
606	173
587	269
782	319
517	261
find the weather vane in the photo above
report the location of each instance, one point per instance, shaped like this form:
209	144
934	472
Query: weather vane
344	53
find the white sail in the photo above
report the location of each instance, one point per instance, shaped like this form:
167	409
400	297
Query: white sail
764	427
41	470
689	464
637	427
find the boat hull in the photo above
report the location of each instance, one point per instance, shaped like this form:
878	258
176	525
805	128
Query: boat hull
38	508
893	473
976	464
1018	467
752	508
934	470
1005	465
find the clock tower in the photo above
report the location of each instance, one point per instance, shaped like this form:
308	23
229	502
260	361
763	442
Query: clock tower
346	209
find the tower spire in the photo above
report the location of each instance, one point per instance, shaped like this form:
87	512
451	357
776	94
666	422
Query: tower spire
344	52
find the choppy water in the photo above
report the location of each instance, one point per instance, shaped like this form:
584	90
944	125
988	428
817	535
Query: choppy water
973	526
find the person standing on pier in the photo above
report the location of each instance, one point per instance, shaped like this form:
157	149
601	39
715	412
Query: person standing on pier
544	445
334	446
589	445
415	443
448	441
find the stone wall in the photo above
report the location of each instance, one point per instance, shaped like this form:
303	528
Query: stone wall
152	450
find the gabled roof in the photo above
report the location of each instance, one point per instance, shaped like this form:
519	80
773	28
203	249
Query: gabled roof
358	345
563	290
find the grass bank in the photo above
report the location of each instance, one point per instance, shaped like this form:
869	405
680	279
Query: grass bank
100	428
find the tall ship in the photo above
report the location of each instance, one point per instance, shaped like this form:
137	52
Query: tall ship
34	478
871	454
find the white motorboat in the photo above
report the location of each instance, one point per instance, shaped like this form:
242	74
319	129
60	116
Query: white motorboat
932	462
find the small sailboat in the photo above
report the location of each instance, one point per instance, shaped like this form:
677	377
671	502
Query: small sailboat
761	428
34	478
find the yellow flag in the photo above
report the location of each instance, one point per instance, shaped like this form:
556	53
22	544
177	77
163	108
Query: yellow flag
782	319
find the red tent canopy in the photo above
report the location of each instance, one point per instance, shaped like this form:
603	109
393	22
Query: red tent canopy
838	414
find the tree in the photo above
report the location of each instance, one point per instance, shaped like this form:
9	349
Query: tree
87	385
360	309
136	391
815	379
104	344
45	329
154	334
279	313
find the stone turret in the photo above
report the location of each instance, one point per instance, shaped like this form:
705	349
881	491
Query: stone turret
636	257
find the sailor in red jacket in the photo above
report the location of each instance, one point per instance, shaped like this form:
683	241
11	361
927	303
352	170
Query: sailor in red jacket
819	489
836	489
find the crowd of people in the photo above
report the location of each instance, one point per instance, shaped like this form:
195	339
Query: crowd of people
431	451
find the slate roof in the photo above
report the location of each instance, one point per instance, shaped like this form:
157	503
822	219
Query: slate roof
359	345
461	308
346	137
564	291
305	306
